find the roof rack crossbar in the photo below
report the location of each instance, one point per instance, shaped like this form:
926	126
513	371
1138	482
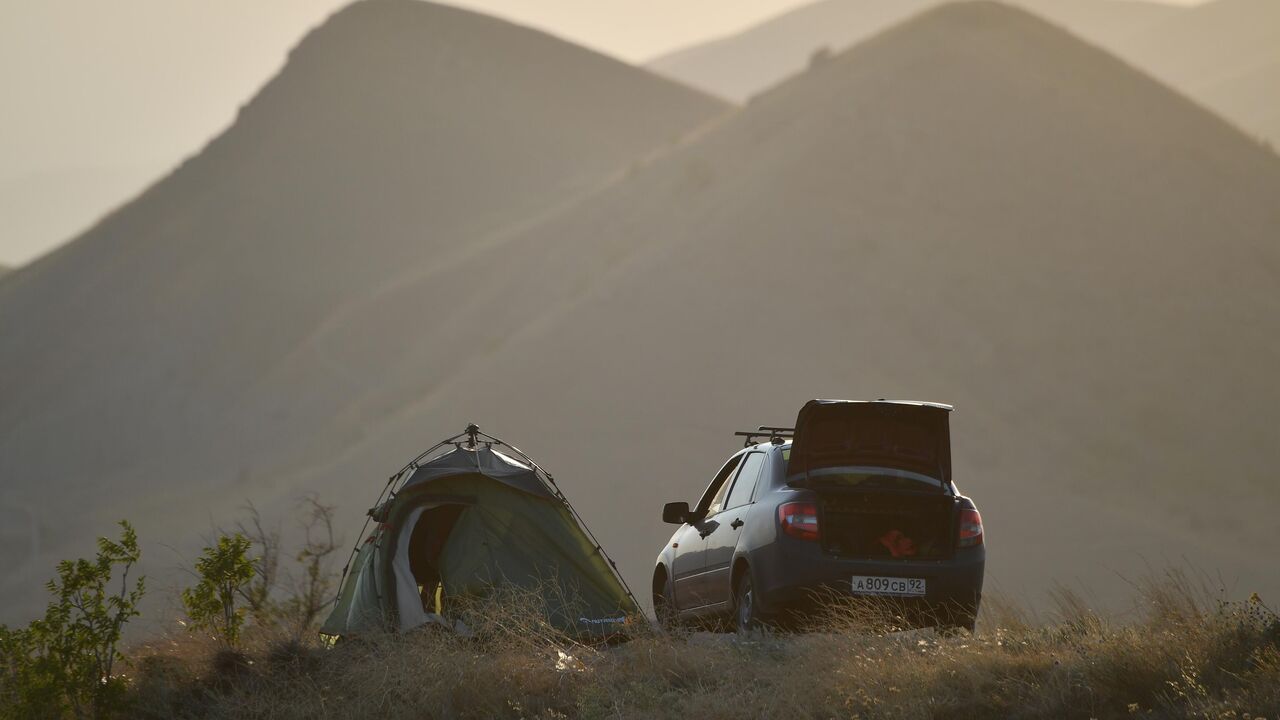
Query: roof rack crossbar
775	434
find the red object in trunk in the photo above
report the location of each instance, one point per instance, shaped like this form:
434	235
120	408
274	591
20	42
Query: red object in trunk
898	544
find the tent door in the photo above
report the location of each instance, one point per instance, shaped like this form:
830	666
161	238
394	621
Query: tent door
417	561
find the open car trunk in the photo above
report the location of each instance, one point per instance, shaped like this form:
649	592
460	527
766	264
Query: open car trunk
886	525
882	472
908	436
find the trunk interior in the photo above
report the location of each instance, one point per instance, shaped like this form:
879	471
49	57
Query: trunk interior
886	526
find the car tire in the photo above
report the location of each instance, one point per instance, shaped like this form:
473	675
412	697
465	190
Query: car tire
664	606
746	606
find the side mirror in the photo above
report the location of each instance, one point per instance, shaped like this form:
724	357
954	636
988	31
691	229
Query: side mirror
676	513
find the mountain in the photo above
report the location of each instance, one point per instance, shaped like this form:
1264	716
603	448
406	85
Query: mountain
974	207
168	356
739	66
1225	54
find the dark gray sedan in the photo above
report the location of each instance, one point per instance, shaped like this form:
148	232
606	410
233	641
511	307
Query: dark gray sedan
856	501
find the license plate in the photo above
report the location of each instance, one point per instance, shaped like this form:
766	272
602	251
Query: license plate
875	585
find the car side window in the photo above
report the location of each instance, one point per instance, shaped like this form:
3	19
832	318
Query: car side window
717	503
719	486
746	482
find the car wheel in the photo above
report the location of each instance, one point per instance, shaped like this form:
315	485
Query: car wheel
746	606
664	606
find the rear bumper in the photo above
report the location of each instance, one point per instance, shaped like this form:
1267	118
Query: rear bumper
794	575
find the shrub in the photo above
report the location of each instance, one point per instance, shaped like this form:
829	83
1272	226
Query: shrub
63	664
225	571
290	599
310	594
266	568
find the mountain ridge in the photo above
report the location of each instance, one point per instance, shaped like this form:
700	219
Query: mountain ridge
740	65
1225	54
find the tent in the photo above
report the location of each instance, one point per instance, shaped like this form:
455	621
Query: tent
470	515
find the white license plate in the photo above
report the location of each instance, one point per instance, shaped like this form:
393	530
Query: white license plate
875	585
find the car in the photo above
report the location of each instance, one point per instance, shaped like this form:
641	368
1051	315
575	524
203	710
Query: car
857	500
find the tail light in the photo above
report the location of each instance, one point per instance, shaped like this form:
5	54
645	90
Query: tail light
970	528
799	519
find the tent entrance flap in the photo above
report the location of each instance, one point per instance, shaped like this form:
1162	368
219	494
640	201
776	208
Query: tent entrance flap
416	569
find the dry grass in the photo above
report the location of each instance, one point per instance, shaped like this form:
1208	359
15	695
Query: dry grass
1185	654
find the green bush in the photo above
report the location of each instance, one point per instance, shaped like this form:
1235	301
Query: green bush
225	571
63	664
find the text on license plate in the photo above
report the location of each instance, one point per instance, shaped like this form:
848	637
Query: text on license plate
874	585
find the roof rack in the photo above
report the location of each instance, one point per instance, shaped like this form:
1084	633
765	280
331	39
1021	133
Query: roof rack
775	434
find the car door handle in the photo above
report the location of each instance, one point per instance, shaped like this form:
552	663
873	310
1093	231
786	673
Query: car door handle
737	523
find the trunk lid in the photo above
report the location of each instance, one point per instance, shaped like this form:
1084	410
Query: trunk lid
910	436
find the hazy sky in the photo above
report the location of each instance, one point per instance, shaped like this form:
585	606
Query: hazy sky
102	96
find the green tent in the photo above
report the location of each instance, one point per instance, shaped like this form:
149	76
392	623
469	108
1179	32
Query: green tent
470	515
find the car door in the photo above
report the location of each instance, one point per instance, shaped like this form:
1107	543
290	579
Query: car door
689	554
723	530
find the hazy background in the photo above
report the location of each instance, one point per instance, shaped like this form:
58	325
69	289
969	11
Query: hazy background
1059	215
103	97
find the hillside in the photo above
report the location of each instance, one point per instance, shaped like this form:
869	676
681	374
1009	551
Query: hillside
1089	274
1225	54
172	351
739	66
